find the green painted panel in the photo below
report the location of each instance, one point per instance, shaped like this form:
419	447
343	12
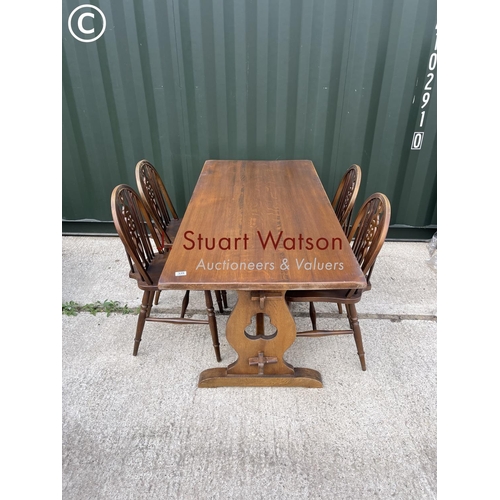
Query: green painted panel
182	81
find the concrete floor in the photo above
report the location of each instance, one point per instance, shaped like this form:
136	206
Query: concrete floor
139	427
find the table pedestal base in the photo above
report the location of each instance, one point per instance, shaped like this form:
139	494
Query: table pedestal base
218	377
260	360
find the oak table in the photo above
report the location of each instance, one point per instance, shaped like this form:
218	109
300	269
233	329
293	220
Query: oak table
261	228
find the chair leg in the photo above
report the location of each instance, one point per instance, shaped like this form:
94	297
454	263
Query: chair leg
157	297
312	314
218	297
147	300
185	302
224	299
150	305
212	323
353	320
339	306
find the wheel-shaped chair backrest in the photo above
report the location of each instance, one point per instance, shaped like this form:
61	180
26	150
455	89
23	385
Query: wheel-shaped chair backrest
369	231
345	197
133	224
154	196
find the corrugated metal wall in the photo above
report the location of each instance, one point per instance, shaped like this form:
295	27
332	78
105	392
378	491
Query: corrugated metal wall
182	81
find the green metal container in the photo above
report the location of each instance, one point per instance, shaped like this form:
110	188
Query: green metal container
181	81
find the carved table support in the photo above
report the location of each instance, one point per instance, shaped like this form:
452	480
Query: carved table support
260	358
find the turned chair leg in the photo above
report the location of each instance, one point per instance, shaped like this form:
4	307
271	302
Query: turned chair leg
353	320
147	300
339	306
224	298
212	323
218	297
312	314
157	297
185	302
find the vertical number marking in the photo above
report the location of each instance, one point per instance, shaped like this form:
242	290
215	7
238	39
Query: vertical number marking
431	75
433	61
418	137
425	98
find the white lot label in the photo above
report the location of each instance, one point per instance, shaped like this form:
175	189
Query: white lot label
181	273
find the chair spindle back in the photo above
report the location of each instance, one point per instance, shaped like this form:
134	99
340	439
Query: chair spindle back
369	231
345	197
134	227
155	196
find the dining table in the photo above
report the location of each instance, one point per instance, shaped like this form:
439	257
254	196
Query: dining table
260	228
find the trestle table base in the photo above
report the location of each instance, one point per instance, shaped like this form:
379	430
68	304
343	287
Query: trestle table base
260	360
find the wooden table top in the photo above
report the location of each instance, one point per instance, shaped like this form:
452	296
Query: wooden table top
260	225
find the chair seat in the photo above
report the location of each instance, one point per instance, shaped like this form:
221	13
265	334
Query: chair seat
154	270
